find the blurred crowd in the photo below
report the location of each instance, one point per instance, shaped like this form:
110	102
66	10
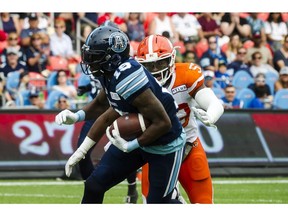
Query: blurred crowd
244	56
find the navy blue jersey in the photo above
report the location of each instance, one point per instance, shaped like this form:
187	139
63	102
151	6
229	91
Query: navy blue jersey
129	81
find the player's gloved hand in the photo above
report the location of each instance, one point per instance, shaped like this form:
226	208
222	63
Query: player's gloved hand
120	143
203	116
66	117
74	159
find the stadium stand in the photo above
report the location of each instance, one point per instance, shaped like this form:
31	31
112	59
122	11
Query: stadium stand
281	99
246	95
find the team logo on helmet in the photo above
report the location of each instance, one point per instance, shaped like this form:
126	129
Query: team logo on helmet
118	42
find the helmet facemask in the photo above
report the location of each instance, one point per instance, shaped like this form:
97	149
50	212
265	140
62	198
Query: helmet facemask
98	62
160	67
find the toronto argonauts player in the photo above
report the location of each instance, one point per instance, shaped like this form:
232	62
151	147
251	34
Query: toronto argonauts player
128	88
86	165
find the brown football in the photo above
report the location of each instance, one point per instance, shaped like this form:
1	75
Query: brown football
130	126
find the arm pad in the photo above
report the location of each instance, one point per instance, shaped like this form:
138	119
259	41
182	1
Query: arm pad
208	101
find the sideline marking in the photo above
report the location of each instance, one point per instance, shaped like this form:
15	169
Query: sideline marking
39	183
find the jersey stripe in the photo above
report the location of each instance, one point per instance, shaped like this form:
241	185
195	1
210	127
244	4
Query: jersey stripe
132	83
195	84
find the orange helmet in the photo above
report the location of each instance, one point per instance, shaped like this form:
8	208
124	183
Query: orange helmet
157	54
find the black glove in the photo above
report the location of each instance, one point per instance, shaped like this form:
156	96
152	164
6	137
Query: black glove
83	89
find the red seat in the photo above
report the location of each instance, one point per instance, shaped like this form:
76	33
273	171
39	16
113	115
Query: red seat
37	80
200	48
57	63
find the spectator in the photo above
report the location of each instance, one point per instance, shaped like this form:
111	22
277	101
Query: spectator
10	23
257	26
135	28
62	103
190	57
282	82
37	54
232	47
26	34
209	77
222	78
187	26
229	100
62	86
232	23
280	58
213	55
43	22
263	99
239	63
259	67
93	17
35	99
24	82
12	63
61	43
275	29
190	45
114	18
161	23
69	20
12	42
209	25
259	46
2	93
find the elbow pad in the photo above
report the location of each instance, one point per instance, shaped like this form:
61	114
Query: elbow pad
208	101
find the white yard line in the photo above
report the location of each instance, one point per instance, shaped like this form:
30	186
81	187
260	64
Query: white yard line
38	195
230	181
258	181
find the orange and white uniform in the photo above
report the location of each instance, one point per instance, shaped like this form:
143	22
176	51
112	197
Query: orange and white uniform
194	174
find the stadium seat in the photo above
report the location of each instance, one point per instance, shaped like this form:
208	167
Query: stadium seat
271	78
281	99
246	95
53	96
83	80
241	80
22	98
37	80
57	63
52	80
12	82
218	92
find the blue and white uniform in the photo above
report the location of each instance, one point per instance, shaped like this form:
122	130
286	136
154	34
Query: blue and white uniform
130	80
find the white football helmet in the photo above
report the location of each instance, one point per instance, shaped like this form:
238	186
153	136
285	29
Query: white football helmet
157	54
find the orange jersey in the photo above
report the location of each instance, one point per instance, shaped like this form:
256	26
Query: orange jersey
187	78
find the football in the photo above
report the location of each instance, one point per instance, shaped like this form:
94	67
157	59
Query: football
130	126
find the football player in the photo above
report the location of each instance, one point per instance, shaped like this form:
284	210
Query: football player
185	82
128	88
86	165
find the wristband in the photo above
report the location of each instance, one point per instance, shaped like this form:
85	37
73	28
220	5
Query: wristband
81	115
86	144
131	145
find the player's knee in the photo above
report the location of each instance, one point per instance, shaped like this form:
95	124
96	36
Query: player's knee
199	167
92	186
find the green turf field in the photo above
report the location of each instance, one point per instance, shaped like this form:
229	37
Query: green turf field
226	191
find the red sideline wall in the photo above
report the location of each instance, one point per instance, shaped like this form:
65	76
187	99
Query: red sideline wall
31	140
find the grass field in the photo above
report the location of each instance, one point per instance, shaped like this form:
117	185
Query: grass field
226	191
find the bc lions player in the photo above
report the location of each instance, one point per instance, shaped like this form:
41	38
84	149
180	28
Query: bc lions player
185	82
129	88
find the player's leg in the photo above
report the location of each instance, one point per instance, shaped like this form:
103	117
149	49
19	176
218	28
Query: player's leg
163	174
132	194
85	165
145	182
195	175
112	169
